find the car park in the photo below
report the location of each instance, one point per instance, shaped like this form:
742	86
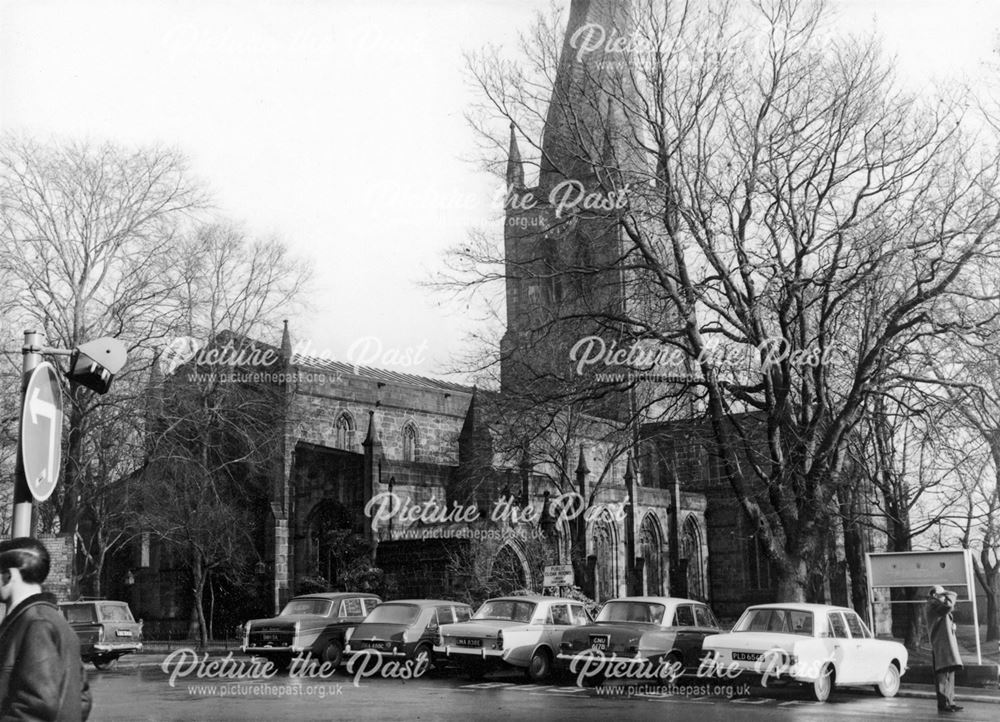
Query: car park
818	645
521	632
667	630
405	629
105	628
311	624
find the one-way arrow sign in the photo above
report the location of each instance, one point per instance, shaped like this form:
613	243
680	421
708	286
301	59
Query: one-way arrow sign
41	431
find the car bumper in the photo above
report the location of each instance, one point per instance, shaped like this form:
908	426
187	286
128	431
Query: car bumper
264	651
113	647
473	654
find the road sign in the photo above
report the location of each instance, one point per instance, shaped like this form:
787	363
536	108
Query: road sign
41	431
558	575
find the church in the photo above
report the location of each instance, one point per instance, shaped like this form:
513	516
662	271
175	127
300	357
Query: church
655	513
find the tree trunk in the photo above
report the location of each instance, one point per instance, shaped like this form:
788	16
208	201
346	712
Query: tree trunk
993	604
793	578
197	626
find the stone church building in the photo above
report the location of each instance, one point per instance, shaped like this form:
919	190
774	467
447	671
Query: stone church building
661	518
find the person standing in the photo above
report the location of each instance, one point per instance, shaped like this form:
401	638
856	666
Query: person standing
945	656
41	674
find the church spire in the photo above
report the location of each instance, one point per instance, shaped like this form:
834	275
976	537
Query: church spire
515	168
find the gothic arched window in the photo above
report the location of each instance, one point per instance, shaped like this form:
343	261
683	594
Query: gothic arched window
409	442
344	429
691	552
650	544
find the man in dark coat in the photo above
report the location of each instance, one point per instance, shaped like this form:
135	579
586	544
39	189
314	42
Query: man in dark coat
944	646
41	675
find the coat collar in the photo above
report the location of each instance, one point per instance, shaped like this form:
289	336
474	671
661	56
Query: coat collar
33	600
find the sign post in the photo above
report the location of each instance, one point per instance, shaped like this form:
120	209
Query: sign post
558	575
948	567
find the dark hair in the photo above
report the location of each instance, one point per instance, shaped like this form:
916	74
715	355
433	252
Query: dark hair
28	555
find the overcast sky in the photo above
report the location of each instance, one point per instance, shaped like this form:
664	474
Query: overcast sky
338	126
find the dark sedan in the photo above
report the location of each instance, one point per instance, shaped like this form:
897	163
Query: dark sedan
405	629
641	631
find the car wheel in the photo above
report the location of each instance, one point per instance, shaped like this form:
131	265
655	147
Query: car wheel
889	685
540	666
332	654
424	658
823	686
673	662
104	663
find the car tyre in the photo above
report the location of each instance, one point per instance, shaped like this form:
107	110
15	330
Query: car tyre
889	684
823	685
105	663
424	650
333	653
540	666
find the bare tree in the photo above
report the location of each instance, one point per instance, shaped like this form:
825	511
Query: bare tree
88	239
218	428
787	204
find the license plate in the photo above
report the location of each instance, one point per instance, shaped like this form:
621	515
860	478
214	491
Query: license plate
468	642
124	632
377	645
746	656
270	637
600	643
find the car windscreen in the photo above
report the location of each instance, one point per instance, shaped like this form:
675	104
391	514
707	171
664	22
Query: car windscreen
514	610
393	614
78	613
631	612
779	621
306	606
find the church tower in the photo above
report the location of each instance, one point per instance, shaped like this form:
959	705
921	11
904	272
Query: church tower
562	238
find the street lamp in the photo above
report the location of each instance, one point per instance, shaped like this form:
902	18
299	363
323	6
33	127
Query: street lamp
92	364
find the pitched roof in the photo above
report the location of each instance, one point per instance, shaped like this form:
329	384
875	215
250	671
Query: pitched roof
377	374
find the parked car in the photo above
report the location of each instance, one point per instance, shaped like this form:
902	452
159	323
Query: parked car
659	629
522	632
405	628
106	630
311	623
818	645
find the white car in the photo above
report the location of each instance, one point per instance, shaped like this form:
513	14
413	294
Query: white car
816	644
520	632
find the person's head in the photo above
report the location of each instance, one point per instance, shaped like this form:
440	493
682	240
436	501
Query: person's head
24	563
936	591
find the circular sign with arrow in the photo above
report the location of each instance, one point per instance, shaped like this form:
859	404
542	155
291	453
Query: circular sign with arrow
41	431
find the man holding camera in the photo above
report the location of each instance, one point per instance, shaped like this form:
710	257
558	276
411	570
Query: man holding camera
944	645
41	675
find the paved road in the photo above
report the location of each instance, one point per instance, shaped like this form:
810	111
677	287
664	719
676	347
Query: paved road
144	692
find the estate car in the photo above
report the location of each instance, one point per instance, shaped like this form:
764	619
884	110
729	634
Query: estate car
106	630
313	624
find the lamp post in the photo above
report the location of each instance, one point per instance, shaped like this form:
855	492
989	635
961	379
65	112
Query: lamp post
37	466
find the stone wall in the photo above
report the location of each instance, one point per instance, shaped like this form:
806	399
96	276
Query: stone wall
60	580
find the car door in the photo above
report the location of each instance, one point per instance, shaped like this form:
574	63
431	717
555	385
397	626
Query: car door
871	664
843	649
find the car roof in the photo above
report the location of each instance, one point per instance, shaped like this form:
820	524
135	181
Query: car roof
658	600
336	595
534	598
801	606
425	602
